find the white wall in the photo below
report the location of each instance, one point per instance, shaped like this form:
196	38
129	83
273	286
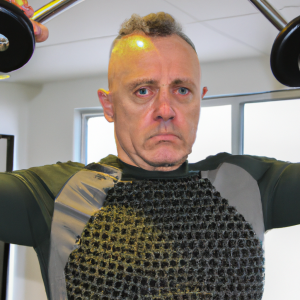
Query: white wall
51	125
239	76
14	100
46	123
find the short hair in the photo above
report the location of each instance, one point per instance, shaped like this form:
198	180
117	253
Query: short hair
159	24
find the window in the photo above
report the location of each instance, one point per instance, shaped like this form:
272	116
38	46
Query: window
211	137
272	129
100	143
264	124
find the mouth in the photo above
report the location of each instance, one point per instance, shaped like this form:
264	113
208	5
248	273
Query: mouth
164	137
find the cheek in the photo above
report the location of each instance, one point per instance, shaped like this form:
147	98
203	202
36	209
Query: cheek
187	121
140	119
146	121
131	120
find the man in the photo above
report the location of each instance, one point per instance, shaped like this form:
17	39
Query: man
146	224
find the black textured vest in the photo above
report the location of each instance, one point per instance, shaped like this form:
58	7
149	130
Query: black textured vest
166	239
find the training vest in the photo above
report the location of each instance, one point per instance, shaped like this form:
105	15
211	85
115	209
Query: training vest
196	236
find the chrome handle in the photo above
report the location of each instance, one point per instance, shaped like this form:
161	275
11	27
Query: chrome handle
270	13
53	9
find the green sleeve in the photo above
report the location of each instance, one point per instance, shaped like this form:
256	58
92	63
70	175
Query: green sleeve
279	185
14	199
278	181
283	202
27	202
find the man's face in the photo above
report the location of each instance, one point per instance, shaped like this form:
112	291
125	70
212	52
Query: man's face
154	100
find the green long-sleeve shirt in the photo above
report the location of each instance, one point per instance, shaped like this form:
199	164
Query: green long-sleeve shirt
27	197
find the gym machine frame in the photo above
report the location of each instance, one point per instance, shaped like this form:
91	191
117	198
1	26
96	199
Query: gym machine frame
285	54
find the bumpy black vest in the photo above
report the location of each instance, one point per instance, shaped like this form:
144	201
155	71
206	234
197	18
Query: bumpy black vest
165	239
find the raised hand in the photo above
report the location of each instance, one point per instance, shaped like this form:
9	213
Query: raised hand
23	4
41	32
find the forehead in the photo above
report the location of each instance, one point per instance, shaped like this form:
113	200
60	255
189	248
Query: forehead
139	55
132	44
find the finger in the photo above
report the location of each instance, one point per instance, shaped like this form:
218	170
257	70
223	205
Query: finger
28	10
41	32
23	5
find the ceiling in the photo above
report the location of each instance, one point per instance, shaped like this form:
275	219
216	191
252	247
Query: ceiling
80	38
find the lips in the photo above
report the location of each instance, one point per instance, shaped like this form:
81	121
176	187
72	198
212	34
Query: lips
168	137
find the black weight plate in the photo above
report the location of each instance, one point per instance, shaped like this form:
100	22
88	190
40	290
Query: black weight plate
285	55
15	26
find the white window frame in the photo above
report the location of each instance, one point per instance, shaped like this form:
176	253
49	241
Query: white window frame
236	101
85	116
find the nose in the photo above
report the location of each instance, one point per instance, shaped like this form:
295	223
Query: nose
163	107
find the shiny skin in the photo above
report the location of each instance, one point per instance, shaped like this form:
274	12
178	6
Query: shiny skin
154	101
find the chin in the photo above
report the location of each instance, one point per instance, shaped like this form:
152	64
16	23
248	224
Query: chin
166	158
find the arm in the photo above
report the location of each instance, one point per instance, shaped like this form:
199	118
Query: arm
280	192
278	181
27	202
14	223
285	205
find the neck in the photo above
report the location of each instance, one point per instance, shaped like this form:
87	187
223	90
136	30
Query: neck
149	166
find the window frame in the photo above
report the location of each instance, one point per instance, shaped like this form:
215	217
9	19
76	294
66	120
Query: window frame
5	247
237	102
85	116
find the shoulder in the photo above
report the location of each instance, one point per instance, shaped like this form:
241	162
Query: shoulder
276	181
256	166
56	175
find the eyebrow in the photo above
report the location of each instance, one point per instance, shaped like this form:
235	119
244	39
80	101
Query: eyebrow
136	83
182	81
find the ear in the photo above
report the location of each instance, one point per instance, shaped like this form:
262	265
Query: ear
204	91
106	102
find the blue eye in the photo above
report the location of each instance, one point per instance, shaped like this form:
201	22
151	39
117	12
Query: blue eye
143	91
183	91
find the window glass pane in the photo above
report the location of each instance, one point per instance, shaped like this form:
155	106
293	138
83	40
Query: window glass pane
214	132
100	139
272	129
282	264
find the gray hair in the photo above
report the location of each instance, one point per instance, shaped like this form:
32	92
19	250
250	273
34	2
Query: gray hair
159	24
